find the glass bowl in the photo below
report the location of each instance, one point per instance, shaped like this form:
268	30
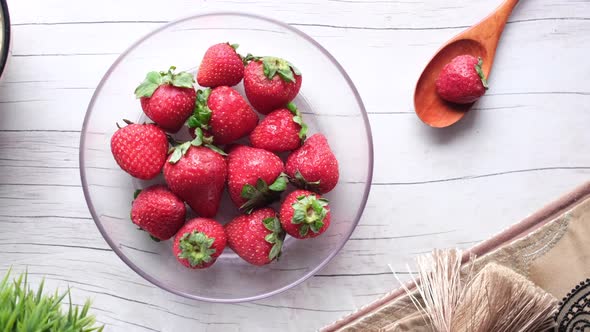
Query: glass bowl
330	103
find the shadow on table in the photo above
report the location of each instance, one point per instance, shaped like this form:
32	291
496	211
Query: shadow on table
457	131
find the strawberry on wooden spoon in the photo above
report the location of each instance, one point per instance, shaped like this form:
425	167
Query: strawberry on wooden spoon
167	98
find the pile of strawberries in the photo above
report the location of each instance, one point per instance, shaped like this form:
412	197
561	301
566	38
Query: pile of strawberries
197	171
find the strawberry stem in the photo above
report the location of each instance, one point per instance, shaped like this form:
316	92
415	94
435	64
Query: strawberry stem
299	181
154	79
196	248
309	212
479	71
262	194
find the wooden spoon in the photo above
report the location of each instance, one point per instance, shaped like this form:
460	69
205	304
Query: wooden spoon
480	40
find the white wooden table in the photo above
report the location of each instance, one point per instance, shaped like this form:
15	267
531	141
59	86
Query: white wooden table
526	143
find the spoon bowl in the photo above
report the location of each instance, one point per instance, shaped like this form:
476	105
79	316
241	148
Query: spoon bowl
481	40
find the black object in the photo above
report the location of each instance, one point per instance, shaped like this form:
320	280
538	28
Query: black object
6	40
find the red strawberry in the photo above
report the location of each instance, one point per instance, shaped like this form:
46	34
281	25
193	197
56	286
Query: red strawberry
255	177
167	98
462	80
221	65
224	113
199	242
158	211
304	214
257	238
313	166
140	149
271	83
280	131
197	175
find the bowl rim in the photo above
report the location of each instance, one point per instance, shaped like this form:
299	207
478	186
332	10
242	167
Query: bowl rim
5	47
173	290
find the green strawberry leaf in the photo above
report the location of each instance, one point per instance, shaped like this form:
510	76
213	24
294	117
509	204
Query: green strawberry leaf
479	71
201	114
295	70
183	80
262	194
276	237
179	152
149	85
234	46
298	119
154	79
216	149
303	230
196	248
249	57
270	238
269	223
272	66
309	212
275	251
299	181
136	193
280	183
286	75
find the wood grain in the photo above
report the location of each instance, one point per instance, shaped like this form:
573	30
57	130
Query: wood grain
523	145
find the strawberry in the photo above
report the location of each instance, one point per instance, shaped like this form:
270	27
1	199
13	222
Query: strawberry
199	242
280	131
270	83
462	80
224	113
167	98
313	166
221	65
140	149
158	211
196	172
255	177
257	238
304	214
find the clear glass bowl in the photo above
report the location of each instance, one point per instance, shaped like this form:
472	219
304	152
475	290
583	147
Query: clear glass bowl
330	103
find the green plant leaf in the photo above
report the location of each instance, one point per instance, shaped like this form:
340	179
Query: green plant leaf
22	309
234	46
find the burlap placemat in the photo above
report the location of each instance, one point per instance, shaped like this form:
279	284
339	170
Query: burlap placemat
551	248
